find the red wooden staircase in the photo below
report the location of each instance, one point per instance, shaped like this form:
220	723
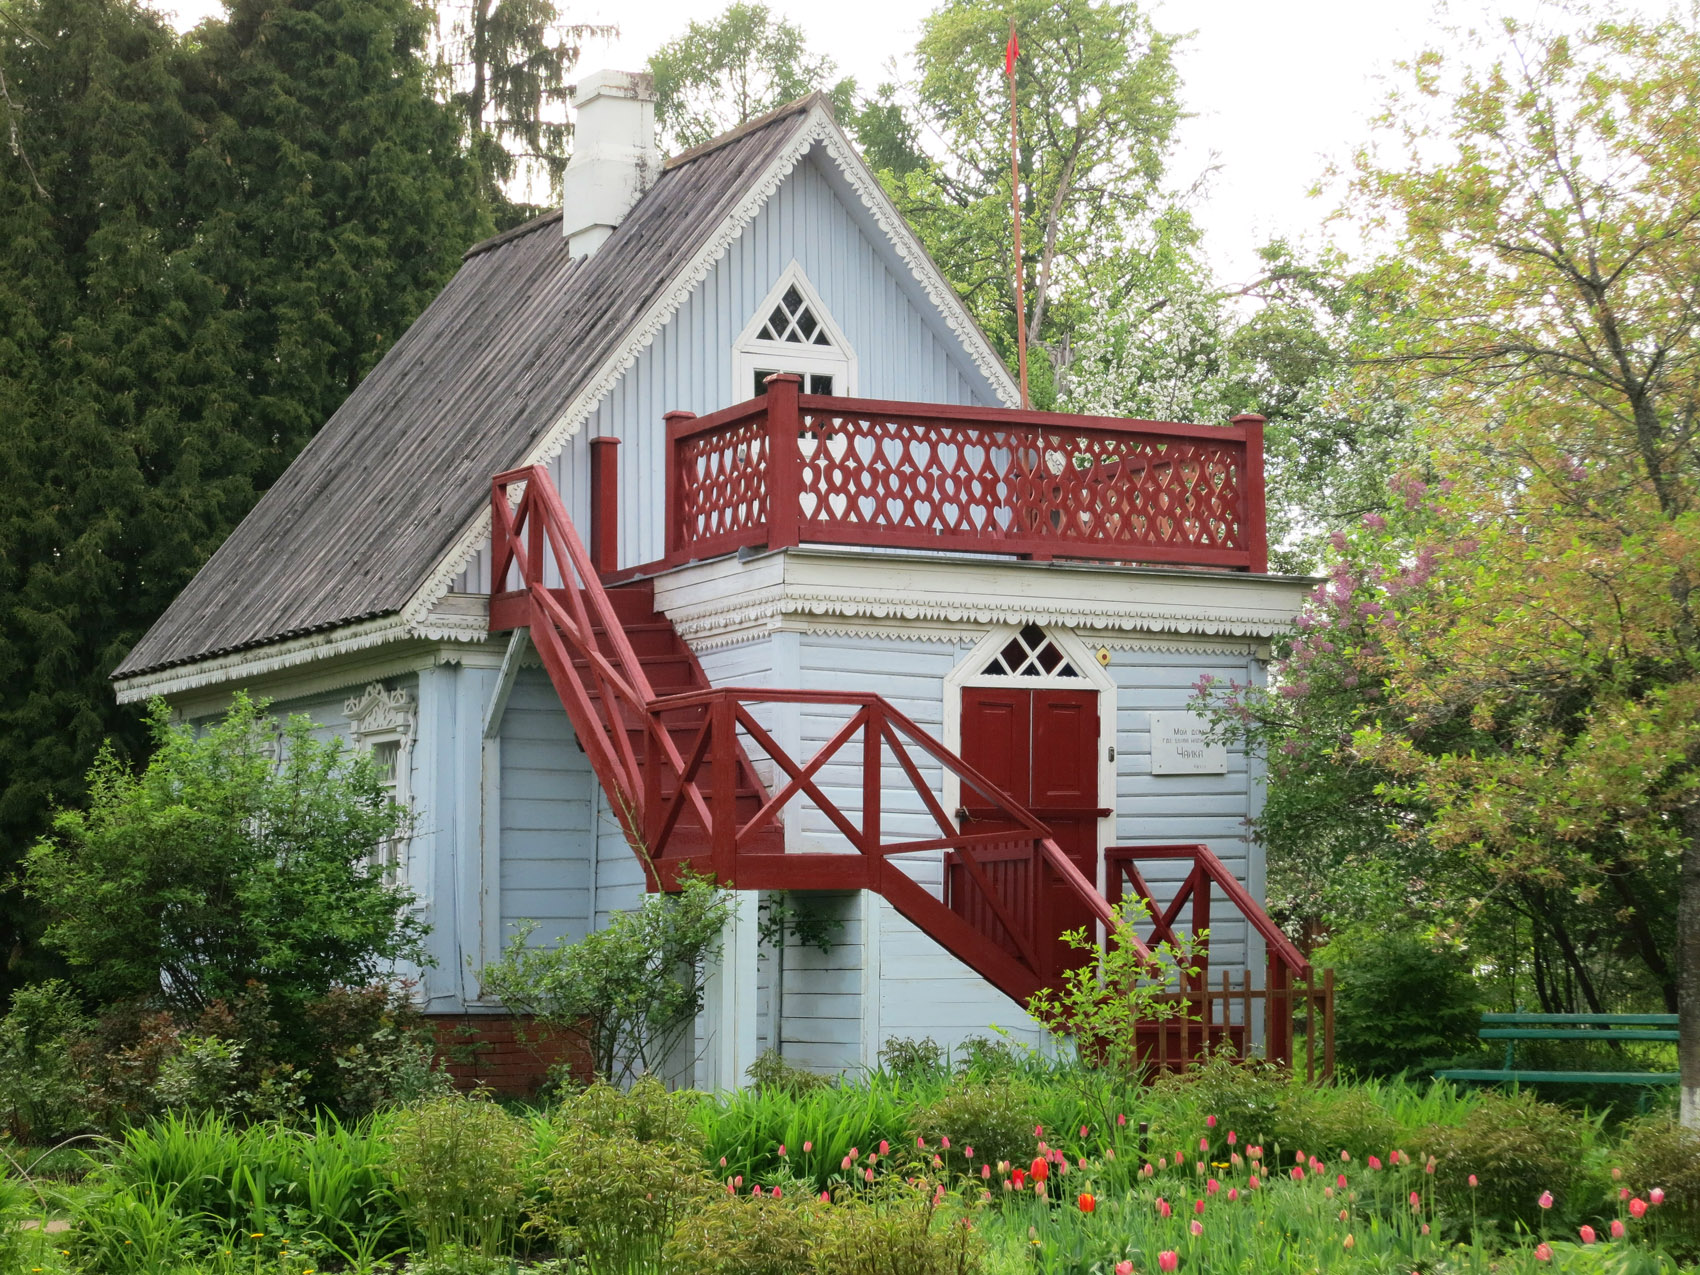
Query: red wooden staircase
673	755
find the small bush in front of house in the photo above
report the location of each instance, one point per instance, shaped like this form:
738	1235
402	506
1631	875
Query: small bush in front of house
991	1120
624	1170
460	1167
42	1097
630	991
735	1234
1657	1153
1401	1000
772	1072
1509	1152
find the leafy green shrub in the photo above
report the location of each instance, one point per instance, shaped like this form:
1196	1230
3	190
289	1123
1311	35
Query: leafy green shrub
1401	1001
748	1235
647	1112
1266	1104
908	1059
1517	1147
630	991
994	1117
42	1097
817	1130
1334	1118
771	1072
459	1165
986	1058
901	1231
218	867
615	1200
1661	1153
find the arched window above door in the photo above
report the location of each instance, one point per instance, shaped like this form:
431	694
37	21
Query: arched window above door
1032	652
792	331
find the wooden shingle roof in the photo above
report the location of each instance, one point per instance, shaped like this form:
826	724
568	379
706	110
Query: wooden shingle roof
370	506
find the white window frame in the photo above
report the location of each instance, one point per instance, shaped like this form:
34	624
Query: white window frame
750	353
379	715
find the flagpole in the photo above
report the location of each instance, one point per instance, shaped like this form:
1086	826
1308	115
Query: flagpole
1011	52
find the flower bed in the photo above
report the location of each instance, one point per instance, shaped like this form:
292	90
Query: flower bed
1009	1168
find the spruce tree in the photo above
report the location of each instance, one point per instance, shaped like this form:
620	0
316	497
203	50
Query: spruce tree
205	243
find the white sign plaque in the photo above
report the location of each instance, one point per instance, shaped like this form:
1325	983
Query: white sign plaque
1181	745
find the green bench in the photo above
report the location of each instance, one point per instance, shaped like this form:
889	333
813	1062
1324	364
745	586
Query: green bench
1512	1028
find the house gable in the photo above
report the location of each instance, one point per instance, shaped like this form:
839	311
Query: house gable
506	367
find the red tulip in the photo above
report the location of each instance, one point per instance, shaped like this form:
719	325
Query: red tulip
1588	1235
1087	1202
1020	1179
1167	1260
1617	1228
1163	1209
1638	1207
1040	1169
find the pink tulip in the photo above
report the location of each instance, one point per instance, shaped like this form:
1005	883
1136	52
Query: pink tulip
920	1144
1198	1206
756	1190
1623	1193
738	1181
781	1150
867	1175
967	1153
1344	1215
775	1193
1209	1122
845	1163
1638	1208
1204	1144
1121	1122
1038	1131
1233	1193
1163	1209
1167	1260
854	1154
885	1147
1588	1235
985	1170
945	1143
825	1198
1617	1228
1473	1181
808	1147
1124	1268
1232	1137
1546	1200
1252	1182
1178	1159
1083	1131
1543	1252
1416	1200
1656	1195
1298	1157
1298	1174
1345	1157
1617	1175
1211	1186
1340	1181
1197	1227
1374	1162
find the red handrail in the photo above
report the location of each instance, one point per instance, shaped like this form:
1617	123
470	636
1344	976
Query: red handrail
792	468
662	795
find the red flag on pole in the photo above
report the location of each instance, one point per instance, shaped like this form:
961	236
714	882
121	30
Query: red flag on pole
1011	51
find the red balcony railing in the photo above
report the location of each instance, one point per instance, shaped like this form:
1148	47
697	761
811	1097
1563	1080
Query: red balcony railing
793	468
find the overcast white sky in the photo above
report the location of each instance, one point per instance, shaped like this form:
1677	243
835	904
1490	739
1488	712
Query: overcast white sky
1277	87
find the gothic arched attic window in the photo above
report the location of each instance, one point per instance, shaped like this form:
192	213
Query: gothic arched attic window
791	331
1030	653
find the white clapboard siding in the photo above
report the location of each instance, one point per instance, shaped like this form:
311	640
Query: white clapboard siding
904	349
546	816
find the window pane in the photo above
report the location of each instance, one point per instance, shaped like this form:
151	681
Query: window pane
819	384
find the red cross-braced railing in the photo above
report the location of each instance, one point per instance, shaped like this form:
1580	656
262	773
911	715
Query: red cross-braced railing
1215	1015
678	768
792	468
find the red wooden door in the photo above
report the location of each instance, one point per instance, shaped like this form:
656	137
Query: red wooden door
1041	747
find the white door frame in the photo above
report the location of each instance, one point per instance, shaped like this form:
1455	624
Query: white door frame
970	671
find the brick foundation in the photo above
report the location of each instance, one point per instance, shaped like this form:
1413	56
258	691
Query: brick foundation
506	1054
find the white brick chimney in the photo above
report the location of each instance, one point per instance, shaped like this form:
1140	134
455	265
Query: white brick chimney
615	158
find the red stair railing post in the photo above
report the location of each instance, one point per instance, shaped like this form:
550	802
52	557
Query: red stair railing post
675	488
723	764
605	505
1251	496
784	465
872	830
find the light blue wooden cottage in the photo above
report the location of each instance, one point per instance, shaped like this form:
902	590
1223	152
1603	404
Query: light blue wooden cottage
847	621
